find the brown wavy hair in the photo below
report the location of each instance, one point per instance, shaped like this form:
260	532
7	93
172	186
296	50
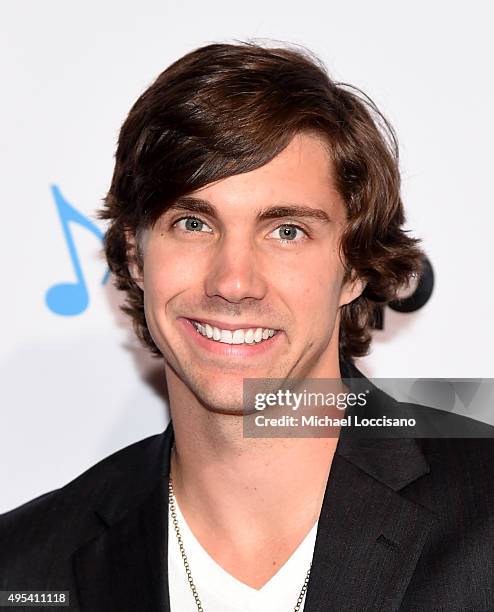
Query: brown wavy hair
226	109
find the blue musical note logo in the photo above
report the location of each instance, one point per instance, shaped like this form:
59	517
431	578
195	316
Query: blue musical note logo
69	299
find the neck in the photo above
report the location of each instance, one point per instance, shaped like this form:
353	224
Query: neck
225	483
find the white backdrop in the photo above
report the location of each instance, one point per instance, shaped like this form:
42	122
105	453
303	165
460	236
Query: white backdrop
76	388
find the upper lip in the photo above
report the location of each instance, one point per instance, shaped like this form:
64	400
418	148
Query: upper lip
230	326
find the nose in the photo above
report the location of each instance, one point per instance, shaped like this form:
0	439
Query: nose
234	271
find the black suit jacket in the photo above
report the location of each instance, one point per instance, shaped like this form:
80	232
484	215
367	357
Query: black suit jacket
406	525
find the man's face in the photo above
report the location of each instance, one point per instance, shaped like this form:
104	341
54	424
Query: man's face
231	268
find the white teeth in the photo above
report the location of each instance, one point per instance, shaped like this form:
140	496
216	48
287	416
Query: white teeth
238	336
249	336
226	336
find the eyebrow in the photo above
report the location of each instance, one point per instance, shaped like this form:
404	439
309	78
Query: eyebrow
200	205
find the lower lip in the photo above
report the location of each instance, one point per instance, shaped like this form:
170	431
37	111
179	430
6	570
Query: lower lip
228	350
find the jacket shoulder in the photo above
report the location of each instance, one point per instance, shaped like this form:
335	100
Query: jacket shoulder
466	456
460	482
62	518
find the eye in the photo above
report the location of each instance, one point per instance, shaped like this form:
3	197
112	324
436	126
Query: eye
192	224
288	233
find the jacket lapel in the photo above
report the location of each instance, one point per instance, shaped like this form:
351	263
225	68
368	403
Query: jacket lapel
126	567
369	536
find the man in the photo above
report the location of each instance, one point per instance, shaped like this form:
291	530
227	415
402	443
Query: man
256	226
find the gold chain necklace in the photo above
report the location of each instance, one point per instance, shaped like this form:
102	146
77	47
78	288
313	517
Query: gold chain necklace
173	514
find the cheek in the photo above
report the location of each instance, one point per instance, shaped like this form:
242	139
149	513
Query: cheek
314	288
319	306
167	272
319	302
312	299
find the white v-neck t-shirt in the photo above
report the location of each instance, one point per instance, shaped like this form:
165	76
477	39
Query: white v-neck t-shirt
219	591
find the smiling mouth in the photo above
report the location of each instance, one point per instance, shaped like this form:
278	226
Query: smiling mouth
251	335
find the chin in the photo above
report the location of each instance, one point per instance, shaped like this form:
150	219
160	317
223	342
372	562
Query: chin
232	405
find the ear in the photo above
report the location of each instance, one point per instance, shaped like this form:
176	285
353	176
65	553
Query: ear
133	260
352	289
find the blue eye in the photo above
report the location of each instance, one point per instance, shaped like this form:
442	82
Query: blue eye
288	232
192	224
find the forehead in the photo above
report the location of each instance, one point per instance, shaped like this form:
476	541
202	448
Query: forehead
302	174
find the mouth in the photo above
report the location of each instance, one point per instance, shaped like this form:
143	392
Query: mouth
239	335
232	341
